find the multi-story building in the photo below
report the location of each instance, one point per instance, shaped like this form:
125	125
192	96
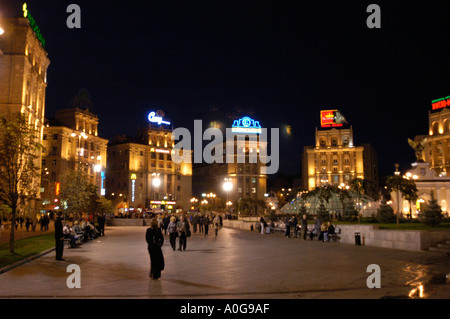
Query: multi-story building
71	141
436	145
335	159
142	175
23	77
244	177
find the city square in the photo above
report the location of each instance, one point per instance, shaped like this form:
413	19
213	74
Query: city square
312	140
237	264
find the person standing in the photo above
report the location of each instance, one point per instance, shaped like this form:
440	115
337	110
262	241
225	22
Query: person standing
195	223
287	222
294	223
101	224
166	221
200	223
216	223
304	225
183	229
206	222
263	223
172	231
59	238
155	240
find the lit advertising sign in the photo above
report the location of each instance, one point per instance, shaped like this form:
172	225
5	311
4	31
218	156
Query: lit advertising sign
33	24
133	186
153	118
57	188
440	103
246	125
332	118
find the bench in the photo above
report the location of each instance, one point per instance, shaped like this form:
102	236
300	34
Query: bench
336	236
67	242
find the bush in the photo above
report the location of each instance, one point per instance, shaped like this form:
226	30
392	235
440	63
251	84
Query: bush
386	214
432	216
350	213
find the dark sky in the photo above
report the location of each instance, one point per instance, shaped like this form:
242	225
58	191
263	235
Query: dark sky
280	62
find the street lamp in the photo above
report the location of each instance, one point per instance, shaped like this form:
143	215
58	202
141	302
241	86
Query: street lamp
227	187
1	31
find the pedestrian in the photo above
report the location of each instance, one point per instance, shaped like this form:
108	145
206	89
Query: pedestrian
166	221
216	223
59	238
200	224
173	233
195	223
263	223
34	224
101	224
304	225
323	232
294	223
287	222
206	222
183	230
155	240
316	230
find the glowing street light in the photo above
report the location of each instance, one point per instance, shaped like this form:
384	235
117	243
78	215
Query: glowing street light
1	31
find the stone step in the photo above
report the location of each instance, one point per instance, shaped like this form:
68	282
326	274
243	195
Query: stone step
440	249
444	245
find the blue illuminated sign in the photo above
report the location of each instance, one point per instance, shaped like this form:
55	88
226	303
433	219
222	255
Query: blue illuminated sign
156	119
246	125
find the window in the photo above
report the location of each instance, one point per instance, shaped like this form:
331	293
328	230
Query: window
178	188
334	142
141	153
55	137
44	137
335	162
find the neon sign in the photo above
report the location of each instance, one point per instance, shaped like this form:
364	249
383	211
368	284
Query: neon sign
246	125
440	103
133	186
332	118
156	119
33	24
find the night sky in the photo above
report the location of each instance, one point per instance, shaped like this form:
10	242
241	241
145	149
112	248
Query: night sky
280	62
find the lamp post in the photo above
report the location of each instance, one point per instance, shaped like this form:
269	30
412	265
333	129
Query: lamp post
227	187
80	150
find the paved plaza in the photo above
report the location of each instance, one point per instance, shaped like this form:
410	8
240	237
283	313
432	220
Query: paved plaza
238	264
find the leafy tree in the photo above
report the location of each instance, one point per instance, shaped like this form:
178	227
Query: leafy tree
77	192
407	188
409	192
19	170
251	207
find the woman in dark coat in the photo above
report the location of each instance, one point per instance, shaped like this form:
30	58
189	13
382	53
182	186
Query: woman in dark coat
155	240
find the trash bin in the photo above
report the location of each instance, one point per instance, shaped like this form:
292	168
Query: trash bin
251	227
358	239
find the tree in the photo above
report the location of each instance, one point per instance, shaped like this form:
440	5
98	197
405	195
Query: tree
432	216
322	213
77	192
407	188
385	213
19	170
394	183
409	191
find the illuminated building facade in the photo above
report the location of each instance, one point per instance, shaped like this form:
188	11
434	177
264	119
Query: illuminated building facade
142	174
71	141
245	176
23	77
430	171
335	159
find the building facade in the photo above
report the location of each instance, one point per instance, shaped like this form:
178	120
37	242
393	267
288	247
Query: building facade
71	141
239	174
23	79
430	170
336	160
142	175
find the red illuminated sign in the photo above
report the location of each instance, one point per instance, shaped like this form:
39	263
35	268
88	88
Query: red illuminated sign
331	118
57	188
440	103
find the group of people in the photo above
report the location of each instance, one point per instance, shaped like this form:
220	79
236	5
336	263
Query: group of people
322	231
30	223
175	227
77	233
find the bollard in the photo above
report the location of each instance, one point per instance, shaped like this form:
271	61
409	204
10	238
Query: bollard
358	239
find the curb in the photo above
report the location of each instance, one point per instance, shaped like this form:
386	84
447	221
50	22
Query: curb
23	261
